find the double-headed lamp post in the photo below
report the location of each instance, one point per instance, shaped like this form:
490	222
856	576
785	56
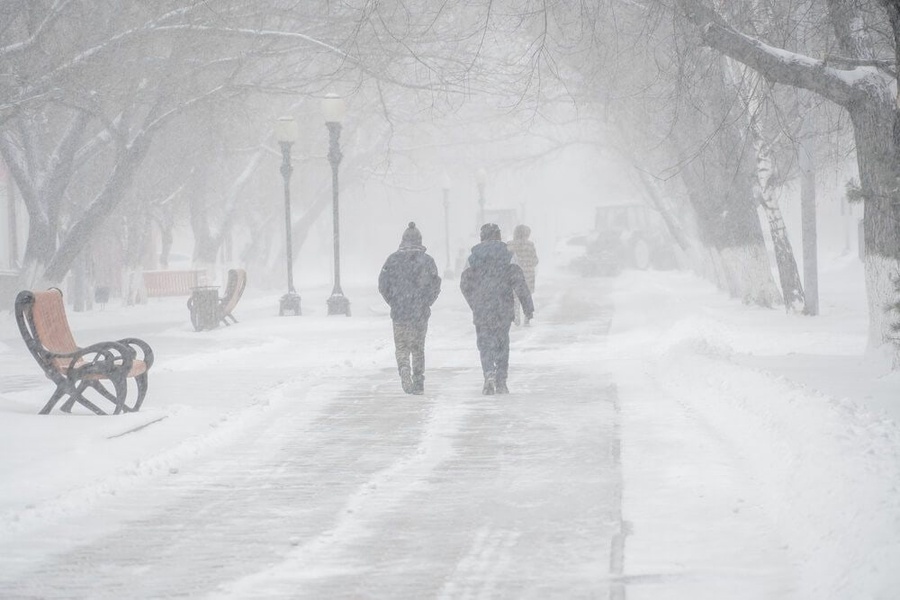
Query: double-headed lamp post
286	134
333	109
480	180
445	186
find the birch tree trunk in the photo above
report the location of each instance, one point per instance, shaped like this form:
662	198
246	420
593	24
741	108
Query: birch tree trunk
749	87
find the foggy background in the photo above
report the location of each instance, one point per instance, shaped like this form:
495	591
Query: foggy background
141	137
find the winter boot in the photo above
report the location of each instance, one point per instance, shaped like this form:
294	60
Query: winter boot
489	384
418	385
406	381
500	387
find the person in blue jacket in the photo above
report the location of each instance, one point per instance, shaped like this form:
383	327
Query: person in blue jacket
410	284
490	283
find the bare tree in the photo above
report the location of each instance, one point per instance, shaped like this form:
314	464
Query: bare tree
858	81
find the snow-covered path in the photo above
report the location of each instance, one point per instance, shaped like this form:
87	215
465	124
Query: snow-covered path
373	493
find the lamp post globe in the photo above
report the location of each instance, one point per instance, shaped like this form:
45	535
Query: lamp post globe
445	186
286	134
333	109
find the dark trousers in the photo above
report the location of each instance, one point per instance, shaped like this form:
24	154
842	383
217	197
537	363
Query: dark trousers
409	343
493	345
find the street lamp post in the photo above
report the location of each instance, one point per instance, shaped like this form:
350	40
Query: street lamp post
445	185
286	133
333	109
480	180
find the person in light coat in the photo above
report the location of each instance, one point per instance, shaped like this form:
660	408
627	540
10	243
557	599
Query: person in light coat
526	257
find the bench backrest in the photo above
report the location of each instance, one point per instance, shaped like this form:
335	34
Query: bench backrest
237	281
170	283
42	321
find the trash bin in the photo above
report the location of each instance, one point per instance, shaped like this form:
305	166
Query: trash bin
204	305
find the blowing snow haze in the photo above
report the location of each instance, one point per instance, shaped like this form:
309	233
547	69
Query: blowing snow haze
702	406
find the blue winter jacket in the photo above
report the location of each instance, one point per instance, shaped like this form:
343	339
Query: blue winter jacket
488	283
410	284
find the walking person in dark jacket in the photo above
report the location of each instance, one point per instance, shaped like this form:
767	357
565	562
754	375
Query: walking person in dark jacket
490	282
410	284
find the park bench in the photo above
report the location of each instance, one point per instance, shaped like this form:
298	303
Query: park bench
171	283
234	289
208	309
101	369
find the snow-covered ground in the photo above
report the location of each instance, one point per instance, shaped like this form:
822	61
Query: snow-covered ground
661	441
746	429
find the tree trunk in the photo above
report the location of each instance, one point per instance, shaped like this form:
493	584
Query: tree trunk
99	210
808	224
791	288
786	263
729	225
40	245
166	238
12	225
878	183
673	227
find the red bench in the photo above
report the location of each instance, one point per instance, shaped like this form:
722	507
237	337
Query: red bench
101	370
170	283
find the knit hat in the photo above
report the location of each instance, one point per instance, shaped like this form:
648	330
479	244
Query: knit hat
490	231
411	236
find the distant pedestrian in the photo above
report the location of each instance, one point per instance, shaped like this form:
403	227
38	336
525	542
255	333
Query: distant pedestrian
410	284
490	282
526	257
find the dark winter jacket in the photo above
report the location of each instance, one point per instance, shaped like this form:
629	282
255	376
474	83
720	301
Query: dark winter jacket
489	281
410	284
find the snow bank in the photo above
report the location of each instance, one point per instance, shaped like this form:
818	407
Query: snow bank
823	471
